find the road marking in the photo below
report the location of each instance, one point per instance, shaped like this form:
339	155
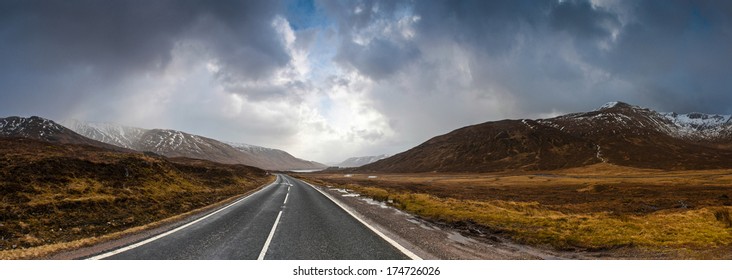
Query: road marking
138	244
401	248
287	195
269	238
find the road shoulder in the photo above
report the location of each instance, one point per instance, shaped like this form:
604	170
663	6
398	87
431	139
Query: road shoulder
130	236
430	240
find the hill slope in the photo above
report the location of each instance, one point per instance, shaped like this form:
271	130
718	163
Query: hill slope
54	192
275	157
360	161
616	133
46	130
173	143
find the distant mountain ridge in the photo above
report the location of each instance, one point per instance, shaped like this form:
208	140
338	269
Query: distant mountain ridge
118	135
173	143
617	133
38	128
360	161
276	157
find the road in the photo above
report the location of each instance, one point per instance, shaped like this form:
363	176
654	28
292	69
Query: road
287	219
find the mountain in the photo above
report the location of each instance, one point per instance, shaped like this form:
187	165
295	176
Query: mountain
492	146
640	137
173	143
360	161
275	157
118	135
617	133
46	130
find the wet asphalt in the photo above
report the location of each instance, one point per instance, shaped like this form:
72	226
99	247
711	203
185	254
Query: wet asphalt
311	227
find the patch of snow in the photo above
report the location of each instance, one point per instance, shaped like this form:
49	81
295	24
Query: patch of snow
599	154
374	202
360	161
608	105
697	125
249	148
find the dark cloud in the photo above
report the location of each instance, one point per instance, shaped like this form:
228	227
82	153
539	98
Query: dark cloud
490	27
677	55
69	50
572	55
379	58
582	20
376	55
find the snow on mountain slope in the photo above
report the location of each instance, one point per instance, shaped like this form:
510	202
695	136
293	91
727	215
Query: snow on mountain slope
250	148
616	133
275	157
173	143
47	130
118	135
619	115
33	127
700	125
360	161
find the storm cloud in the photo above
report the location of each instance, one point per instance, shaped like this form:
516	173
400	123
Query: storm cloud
331	79
95	44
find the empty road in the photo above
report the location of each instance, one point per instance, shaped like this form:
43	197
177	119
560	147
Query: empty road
287	219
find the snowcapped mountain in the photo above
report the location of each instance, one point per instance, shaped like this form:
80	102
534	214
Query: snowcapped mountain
709	128
251	148
33	127
173	143
360	161
616	133
700	126
46	130
118	135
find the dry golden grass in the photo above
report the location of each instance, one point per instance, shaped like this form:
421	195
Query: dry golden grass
51	194
599	207
43	251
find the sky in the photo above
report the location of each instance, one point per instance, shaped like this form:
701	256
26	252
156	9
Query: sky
328	80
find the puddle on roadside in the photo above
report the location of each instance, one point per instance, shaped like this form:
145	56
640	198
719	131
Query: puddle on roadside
374	202
459	238
421	224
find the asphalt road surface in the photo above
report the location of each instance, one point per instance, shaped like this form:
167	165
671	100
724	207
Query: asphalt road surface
286	220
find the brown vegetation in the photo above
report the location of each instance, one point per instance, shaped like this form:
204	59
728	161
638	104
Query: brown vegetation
596	208
622	135
52	193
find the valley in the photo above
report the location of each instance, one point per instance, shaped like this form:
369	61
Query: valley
620	181
596	211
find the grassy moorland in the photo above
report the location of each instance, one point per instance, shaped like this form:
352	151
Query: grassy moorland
53	195
599	208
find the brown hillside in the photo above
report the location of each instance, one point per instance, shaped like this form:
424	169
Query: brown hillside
620	134
63	192
493	146
47	130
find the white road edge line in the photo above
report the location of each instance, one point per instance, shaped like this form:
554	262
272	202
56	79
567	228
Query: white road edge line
401	248
138	244
269	238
